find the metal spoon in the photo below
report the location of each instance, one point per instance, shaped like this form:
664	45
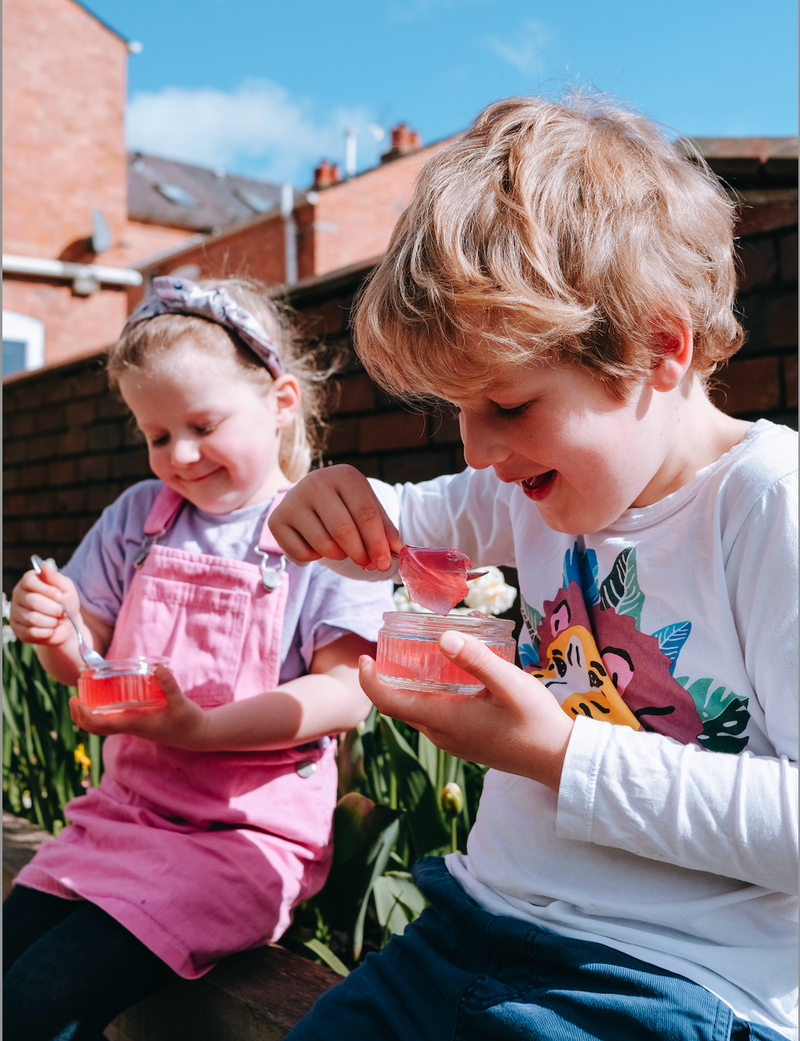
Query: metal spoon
92	658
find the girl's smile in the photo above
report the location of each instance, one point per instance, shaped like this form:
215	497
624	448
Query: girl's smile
213	433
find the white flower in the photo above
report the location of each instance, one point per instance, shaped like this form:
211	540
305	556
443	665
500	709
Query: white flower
490	593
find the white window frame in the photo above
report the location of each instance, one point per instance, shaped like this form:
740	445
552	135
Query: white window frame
30	331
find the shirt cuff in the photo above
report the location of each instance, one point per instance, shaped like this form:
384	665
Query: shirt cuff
576	792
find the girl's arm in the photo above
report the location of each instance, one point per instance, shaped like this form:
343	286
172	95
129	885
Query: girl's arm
328	700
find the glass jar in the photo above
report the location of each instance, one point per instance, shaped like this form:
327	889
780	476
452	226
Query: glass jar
409	655
120	684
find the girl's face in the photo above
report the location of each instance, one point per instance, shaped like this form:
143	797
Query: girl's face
212	432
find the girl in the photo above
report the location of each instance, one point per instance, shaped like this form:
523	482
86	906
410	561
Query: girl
213	818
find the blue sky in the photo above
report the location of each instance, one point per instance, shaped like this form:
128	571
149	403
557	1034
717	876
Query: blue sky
267	89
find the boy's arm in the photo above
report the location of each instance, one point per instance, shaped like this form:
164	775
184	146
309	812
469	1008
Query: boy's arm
334	513
732	815
328	700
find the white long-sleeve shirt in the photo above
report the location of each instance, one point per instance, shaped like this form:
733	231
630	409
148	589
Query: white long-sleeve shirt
675	842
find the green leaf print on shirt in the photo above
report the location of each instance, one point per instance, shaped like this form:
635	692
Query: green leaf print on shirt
621	589
723	713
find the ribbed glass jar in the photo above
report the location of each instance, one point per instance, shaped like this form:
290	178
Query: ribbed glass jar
409	655
122	683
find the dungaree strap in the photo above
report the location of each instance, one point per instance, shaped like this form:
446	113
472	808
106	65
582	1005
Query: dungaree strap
165	509
271	577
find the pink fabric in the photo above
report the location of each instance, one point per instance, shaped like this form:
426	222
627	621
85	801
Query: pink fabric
165	509
198	854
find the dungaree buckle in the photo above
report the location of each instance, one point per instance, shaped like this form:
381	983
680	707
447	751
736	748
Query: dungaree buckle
271	577
147	544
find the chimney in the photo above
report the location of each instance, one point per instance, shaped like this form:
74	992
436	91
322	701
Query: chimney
404	142
326	174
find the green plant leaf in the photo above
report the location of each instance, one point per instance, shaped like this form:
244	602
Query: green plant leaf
424	821
325	954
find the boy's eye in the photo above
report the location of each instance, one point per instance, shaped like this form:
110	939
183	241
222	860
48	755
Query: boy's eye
159	441
512	413
204	431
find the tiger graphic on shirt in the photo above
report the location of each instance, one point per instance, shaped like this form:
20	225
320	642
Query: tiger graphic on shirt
588	650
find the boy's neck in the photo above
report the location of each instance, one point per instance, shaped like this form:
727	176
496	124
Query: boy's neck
702	435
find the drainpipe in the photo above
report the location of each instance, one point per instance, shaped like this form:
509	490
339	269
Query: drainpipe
86	278
290	233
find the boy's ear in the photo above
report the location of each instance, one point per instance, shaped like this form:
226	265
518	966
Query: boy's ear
286	392
674	358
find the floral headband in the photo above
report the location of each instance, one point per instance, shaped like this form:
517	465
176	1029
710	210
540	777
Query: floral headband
181	296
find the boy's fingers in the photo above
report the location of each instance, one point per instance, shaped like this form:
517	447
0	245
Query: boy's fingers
479	661
417	708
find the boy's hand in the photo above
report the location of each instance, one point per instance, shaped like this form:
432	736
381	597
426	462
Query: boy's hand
180	722
334	513
36	615
514	724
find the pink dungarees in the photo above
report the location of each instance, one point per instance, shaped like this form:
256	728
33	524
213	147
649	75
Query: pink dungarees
199	854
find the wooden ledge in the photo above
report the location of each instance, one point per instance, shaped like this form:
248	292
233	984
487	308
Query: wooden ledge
256	995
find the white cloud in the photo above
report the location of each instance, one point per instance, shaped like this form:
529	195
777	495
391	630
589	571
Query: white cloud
257	130
525	51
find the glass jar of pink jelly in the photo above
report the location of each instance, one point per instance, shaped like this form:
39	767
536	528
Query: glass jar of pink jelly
120	684
409	655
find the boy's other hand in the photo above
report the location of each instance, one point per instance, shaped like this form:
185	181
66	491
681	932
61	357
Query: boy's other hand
514	724
334	513
36	615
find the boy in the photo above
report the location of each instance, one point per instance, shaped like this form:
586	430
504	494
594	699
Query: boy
565	278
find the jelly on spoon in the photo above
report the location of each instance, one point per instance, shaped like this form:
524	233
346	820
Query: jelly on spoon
436	578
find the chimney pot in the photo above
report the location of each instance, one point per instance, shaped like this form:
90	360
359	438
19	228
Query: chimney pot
326	174
404	141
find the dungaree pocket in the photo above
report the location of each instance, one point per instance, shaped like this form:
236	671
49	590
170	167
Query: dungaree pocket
201	629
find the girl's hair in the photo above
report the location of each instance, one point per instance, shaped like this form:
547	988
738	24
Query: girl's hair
553	233
301	443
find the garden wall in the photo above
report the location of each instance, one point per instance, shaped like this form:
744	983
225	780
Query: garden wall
69	449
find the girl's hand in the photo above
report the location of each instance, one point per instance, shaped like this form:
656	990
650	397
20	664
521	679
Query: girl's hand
514	724
334	513
180	722
36	615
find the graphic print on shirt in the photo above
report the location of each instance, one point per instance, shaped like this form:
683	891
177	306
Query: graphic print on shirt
588	650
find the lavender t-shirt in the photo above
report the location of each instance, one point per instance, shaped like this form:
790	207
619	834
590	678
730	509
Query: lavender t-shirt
321	605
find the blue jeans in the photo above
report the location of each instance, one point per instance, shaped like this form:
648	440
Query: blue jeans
460	973
69	968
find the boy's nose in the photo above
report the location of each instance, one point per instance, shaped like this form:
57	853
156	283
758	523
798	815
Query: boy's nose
483	445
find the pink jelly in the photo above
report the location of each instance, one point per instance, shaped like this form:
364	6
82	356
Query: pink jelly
435	578
121	684
409	655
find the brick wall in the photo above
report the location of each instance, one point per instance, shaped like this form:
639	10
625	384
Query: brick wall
352	221
69	449
63	156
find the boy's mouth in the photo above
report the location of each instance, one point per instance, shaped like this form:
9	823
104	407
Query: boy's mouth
532	486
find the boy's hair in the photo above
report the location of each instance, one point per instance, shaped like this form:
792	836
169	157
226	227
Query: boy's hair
554	233
301	442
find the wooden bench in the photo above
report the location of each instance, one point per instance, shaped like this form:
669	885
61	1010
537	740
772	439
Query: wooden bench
257	995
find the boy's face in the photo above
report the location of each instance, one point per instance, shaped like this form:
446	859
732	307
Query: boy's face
582	456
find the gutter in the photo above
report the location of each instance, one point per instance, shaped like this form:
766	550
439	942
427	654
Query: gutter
86	278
